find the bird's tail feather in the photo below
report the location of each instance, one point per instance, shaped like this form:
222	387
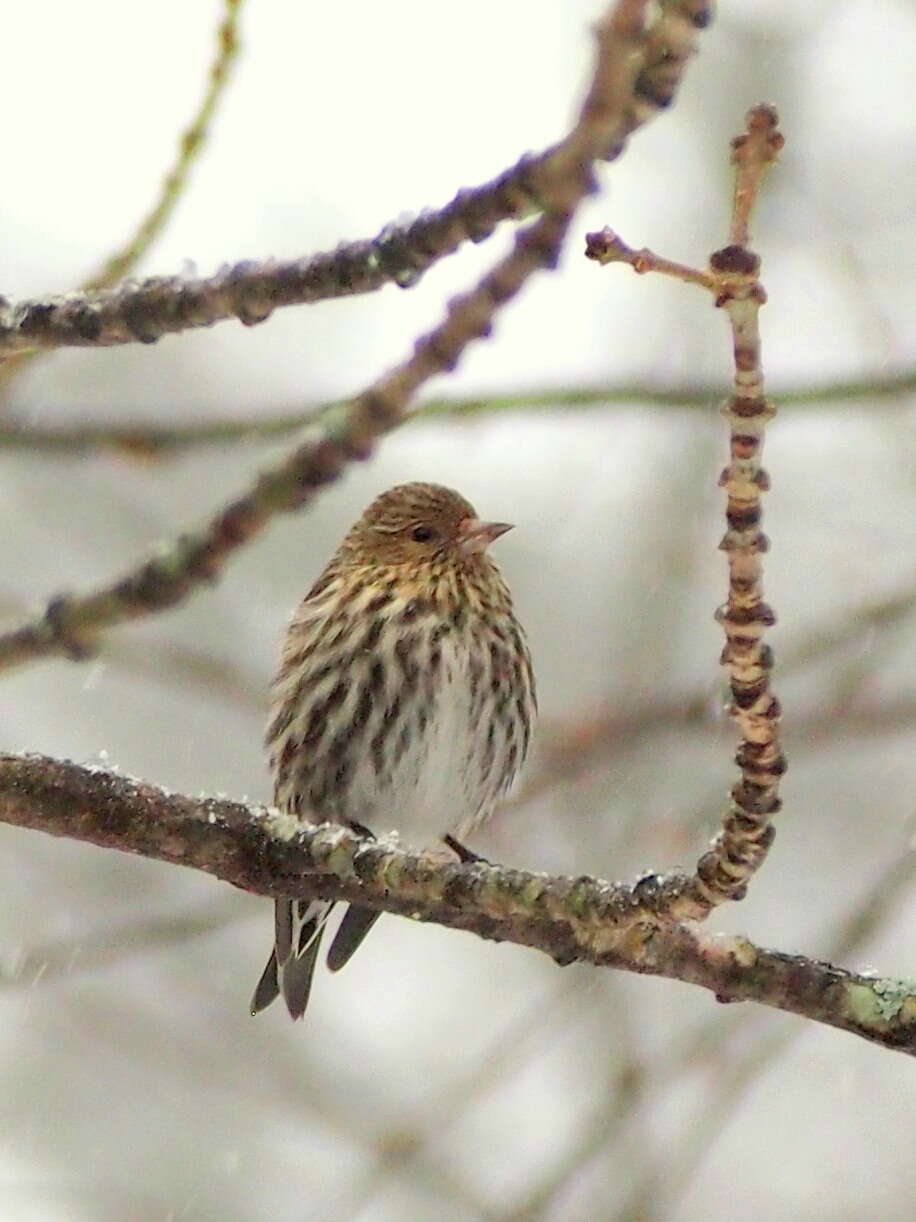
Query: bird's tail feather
299	925
352	929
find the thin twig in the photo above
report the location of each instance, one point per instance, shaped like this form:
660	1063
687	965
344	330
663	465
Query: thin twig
636	928
606	246
624	94
122	262
747	833
737	852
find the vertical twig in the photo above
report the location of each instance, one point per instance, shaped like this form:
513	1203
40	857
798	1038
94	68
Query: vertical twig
121	262
746	835
734	277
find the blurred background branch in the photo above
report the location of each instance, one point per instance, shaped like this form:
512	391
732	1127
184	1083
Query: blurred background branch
147	440
121	262
400	254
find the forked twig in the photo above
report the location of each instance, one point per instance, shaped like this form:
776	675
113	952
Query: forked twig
734	279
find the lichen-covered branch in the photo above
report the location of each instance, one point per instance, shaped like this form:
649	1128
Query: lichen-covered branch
250	290
640	928
400	254
634	73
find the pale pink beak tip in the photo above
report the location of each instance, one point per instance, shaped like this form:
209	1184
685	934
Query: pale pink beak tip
476	536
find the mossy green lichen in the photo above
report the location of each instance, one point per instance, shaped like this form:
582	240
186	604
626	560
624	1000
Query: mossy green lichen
892	995
880	1000
531	892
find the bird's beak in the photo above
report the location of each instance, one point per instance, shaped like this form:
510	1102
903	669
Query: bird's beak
476	536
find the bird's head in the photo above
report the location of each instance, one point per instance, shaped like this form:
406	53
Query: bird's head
422	525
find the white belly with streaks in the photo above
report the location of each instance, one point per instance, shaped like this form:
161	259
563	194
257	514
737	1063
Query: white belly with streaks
434	788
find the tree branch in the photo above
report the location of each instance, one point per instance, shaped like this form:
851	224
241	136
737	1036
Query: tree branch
400	254
639	928
636	72
251	290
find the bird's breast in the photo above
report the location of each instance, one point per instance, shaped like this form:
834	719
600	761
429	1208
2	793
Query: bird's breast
415	723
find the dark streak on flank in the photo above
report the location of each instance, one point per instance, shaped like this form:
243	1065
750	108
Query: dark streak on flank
371	639
342	775
377	678
363	710
377	747
511	759
281	722
287	755
489	755
340	744
314	730
335	697
403	742
379	602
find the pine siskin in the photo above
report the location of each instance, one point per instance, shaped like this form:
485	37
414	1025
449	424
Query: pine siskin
404	700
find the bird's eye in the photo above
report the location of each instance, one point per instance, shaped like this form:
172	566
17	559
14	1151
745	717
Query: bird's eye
422	534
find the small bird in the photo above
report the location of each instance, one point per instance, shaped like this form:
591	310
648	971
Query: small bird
404	701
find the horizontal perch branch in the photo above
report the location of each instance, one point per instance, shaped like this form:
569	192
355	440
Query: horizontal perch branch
639	928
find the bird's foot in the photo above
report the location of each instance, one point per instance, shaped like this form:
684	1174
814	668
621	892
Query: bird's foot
465	855
361	830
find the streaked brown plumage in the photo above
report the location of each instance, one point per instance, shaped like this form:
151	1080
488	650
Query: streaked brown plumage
404	700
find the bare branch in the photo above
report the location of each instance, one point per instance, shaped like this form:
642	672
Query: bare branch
123	261
606	246
69	625
400	254
251	290
741	846
734	278
634	74
636	928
